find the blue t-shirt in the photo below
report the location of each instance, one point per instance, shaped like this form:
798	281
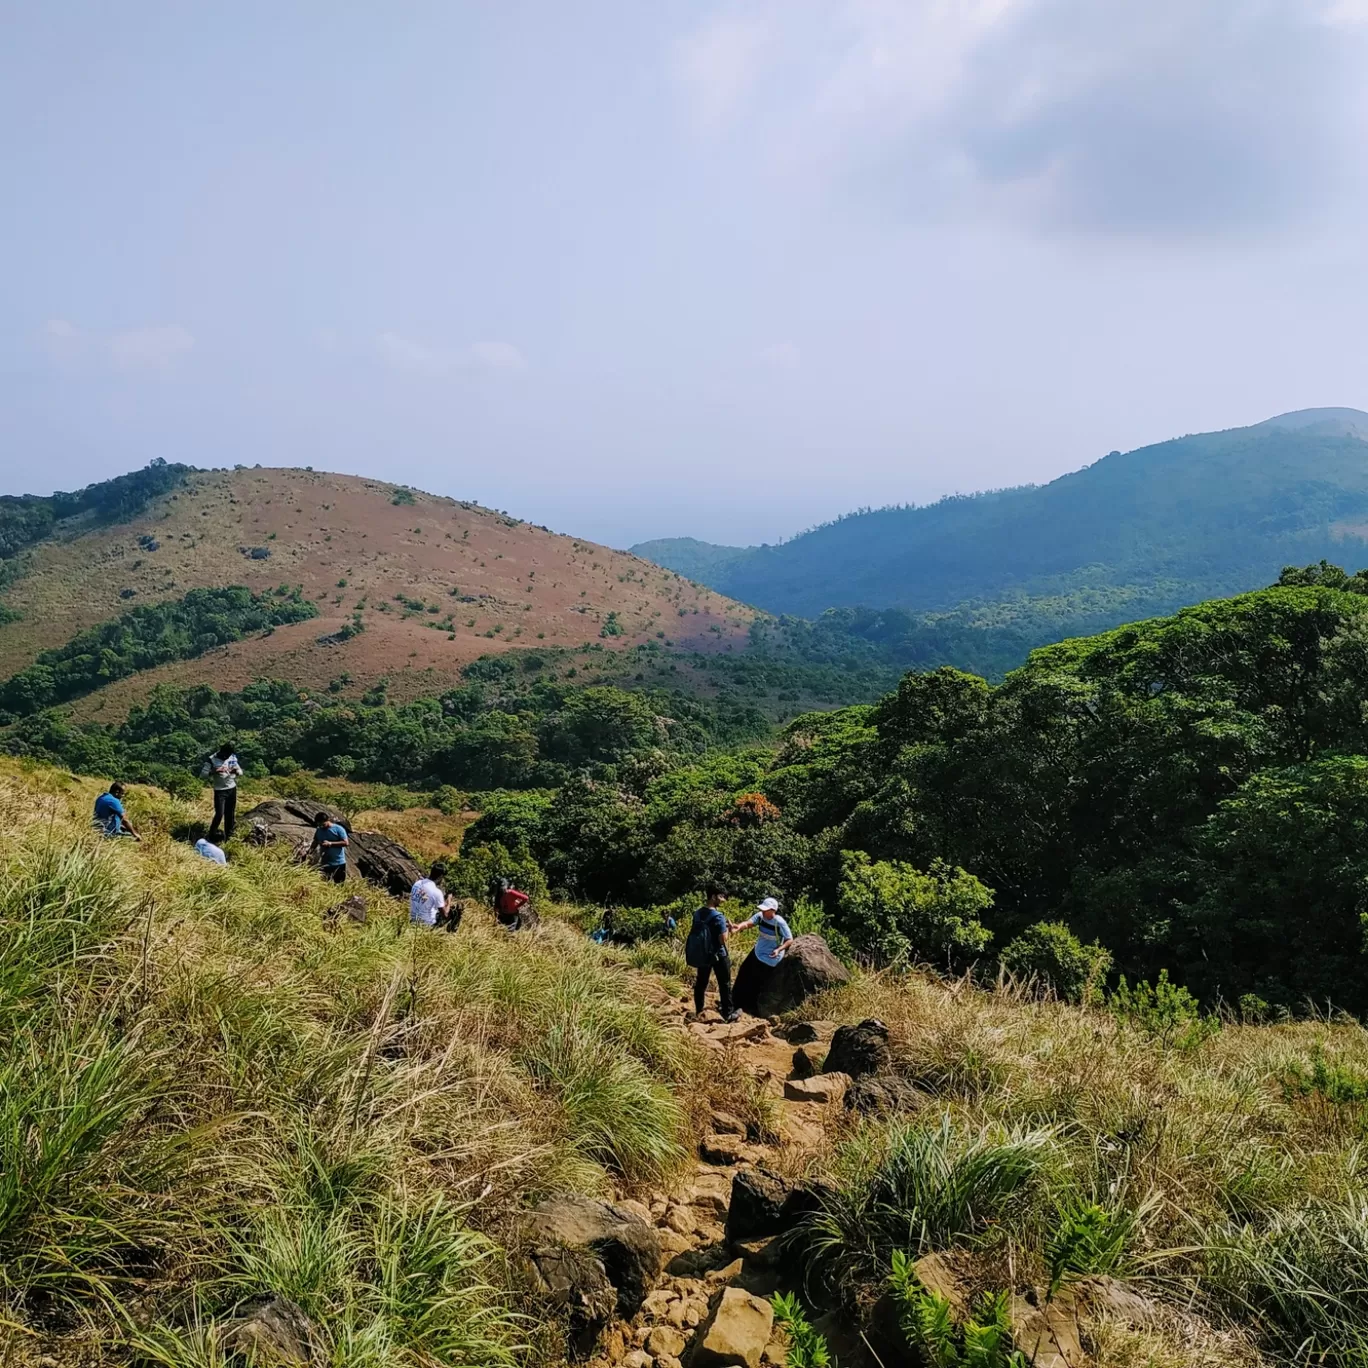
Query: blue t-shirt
772	935
334	855
716	924
109	814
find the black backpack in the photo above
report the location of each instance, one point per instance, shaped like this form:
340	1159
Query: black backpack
699	949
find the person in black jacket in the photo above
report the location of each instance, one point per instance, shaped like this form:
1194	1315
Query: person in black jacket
711	926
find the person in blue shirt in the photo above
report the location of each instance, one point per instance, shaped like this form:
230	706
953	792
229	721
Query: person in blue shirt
330	841
772	942
110	817
710	919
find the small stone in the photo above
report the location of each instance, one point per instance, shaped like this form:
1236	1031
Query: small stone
726	1273
639	1334
693	1315
678	1315
760	1253
614	1345
776	1353
638	1209
829	1087
681	1220
724	1123
667	1361
806	1062
638	1358
737	1333
658	1303
665	1339
725	1150
672	1242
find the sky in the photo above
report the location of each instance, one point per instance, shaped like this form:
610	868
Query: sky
673	269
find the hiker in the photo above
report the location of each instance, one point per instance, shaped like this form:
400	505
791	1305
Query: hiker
774	939
110	817
431	905
606	929
221	769
706	951
210	851
330	840
508	909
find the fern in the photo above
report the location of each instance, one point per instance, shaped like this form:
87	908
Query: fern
807	1349
928	1322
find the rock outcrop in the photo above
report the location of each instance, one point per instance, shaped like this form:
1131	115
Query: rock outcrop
373	856
576	1245
270	1330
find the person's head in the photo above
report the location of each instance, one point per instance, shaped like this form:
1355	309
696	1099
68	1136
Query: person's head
322	819
225	750
714	895
768	908
439	873
116	790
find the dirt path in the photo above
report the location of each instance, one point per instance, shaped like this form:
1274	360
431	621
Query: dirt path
691	1217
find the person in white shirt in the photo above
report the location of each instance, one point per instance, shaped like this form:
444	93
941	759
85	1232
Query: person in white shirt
210	851
222	769
431	905
773	941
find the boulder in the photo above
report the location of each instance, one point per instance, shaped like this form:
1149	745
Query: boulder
270	1330
574	1281
808	968
804	1062
736	1333
809	1032
859	1049
884	1096
351	909
290	821
825	1087
627	1247
757	1205
724	1123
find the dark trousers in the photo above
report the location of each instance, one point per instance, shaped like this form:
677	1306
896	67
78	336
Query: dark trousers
334	873
721	966
225	813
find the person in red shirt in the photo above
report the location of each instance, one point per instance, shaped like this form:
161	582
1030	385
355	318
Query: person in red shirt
509	905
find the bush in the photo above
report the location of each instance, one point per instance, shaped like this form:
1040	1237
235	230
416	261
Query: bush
1050	953
1166	1012
474	871
896	913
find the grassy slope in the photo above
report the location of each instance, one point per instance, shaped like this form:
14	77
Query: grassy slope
332	527
208	1094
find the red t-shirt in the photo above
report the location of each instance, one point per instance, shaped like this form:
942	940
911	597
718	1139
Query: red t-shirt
511	900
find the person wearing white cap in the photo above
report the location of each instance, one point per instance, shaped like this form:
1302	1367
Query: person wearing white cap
775	937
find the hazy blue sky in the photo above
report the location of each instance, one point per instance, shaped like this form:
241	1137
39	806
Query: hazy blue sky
643	269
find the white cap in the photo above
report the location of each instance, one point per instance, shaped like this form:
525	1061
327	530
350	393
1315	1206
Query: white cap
769	905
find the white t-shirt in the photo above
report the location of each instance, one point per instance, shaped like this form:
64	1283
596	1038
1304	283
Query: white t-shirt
211	851
426	900
225	780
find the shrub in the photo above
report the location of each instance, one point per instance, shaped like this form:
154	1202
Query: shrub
895	912
474	871
806	1348
1166	1012
984	1340
1088	1239
1050	953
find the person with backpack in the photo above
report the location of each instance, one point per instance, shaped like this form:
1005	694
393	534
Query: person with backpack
222	770
705	950
773	941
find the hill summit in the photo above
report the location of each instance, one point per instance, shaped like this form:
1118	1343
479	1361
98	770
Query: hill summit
1134	534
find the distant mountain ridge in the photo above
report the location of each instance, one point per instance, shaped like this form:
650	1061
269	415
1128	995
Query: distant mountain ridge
1134	534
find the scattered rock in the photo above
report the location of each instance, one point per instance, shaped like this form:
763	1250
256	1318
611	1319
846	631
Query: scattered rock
736	1333
1046	1332
884	1096
860	1049
665	1339
628	1248
761	1253
805	1062
270	1330
637	1358
667	1361
808	968
724	1123
638	1209
351	909
826	1087
756	1210
729	1272
726	1150
809	1032
711	1192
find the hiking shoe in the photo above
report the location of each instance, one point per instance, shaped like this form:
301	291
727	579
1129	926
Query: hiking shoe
732	1016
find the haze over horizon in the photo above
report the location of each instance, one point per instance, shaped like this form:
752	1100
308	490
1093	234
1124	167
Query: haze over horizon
721	270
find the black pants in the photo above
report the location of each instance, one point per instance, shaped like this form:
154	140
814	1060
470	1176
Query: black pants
721	966
334	873
225	813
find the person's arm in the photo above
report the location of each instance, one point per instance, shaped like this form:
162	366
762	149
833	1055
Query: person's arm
788	938
234	767
206	769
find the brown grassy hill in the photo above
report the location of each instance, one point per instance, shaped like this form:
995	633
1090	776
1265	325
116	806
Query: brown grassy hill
485	582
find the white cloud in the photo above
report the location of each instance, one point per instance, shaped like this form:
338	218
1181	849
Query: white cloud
781	355
154	347
417	358
718	64
62	341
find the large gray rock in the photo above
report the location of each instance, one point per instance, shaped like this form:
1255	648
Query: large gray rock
574	1281
887	1095
737	1332
627	1248
290	821
808	968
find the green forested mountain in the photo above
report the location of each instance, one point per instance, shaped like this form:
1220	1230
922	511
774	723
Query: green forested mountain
1134	534
694	559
